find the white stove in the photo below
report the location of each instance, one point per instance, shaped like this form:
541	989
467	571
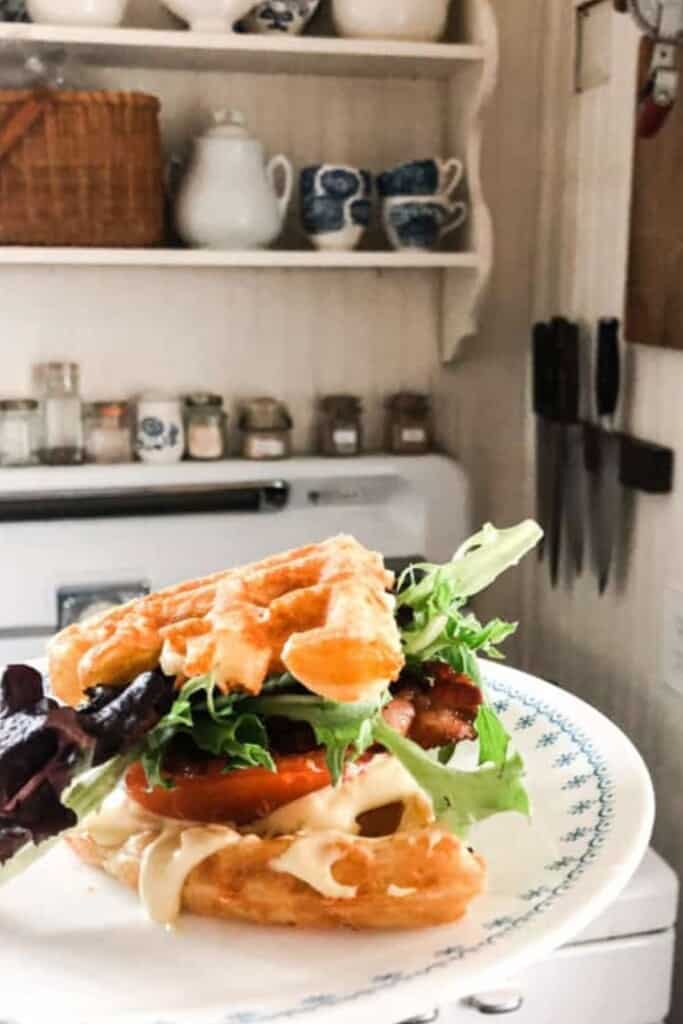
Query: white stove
76	539
79	538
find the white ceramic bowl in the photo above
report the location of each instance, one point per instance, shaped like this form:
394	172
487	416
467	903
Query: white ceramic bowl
417	20
209	15
105	13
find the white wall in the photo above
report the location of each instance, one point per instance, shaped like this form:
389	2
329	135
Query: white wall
609	650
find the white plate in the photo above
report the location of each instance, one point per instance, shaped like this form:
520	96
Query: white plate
74	945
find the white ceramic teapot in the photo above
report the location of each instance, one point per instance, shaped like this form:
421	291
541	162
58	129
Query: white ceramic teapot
229	198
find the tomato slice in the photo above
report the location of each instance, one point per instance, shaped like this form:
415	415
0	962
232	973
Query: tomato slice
205	792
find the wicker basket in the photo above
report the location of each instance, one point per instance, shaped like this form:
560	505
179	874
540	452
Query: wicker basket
80	168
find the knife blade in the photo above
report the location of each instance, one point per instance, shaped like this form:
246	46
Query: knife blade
543	403
570	412
567	469
606	484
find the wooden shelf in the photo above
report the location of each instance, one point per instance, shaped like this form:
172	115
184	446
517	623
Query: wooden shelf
194	51
277	258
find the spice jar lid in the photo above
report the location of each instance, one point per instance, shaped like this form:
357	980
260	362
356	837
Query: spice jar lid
409	402
18	405
265	414
202	399
58	375
114	409
341	405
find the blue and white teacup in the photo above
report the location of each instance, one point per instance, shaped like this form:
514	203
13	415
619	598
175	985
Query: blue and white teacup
338	181
431	177
336	205
421	222
278	16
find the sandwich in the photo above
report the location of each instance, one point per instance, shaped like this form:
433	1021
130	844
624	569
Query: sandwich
277	743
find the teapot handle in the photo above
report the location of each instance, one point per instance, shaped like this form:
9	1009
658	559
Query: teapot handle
288	171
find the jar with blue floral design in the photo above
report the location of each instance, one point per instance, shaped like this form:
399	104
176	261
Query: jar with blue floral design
160	433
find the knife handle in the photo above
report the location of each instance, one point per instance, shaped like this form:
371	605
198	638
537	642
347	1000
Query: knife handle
608	368
568	372
543	370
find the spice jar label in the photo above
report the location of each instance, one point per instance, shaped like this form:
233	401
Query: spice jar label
265	447
345	438
413	435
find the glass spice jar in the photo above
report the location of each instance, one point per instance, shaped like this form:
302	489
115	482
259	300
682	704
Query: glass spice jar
206	425
341	426
19	431
61	443
107	427
409	427
266	427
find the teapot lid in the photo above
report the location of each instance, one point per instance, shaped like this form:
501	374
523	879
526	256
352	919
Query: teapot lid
228	124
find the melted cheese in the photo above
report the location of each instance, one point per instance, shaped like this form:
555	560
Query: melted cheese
311	859
167	849
384	781
118	820
170	858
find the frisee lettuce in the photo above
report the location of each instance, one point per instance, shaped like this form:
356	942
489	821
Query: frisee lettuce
217	726
439	629
343	729
460	798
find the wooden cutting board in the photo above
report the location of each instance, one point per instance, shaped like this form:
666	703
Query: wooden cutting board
654	291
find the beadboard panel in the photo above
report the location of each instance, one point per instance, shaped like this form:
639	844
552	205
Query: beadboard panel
481	398
607	649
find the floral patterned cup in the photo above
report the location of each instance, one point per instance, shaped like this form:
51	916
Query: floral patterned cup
160	434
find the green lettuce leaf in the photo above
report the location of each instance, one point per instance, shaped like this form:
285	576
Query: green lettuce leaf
217	726
460	798
340	728
494	739
475	565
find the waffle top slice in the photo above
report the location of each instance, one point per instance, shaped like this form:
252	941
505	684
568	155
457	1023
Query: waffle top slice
320	612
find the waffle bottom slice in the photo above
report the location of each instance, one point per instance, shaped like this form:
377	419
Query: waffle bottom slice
409	880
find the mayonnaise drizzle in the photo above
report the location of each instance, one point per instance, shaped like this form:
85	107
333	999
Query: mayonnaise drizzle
383	781
168	849
169	859
312	858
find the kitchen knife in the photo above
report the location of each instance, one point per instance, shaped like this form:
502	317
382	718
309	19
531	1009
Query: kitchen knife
543	402
567	471
606	487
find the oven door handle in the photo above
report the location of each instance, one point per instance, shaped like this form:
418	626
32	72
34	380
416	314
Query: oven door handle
246	498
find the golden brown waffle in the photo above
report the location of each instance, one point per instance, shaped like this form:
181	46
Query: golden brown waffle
414	879
321	612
